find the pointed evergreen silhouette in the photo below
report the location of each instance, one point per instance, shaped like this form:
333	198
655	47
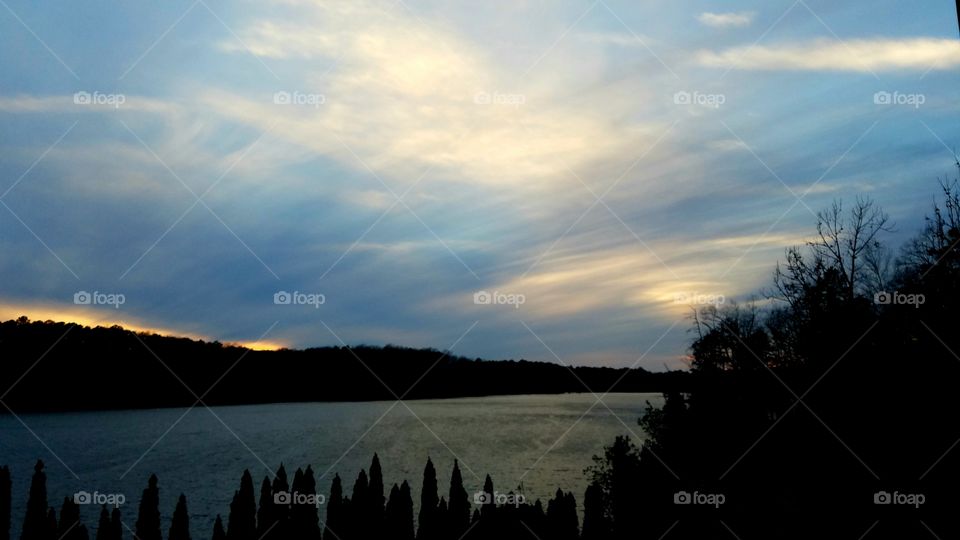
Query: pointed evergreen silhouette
304	518
359	526
36	522
265	511
70	527
596	525
428	522
242	523
488	525
489	506
116	525
148	516
311	511
103	525
281	512
180	526
562	521
537	519
375	500
458	514
399	513
218	533
334	527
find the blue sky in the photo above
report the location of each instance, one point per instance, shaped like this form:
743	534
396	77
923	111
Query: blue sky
605	163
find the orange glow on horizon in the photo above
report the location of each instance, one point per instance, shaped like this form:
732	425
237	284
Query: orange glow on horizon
93	318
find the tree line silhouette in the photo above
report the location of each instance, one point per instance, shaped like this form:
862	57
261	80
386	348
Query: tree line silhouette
292	510
75	357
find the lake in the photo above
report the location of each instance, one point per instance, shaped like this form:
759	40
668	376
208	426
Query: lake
540	442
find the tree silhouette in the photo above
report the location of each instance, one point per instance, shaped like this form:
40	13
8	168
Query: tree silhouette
266	513
489	504
304	519
458	515
116	525
218	533
70	527
616	476
180	526
336	518
104	532
242	523
562	517
359	504
61	382
281	512
596	525
36	522
148	515
399	513
375	499
429	521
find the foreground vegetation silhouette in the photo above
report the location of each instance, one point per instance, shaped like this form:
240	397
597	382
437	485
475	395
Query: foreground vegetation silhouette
294	510
827	408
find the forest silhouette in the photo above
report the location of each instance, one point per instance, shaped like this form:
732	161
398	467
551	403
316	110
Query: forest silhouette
182	370
824	408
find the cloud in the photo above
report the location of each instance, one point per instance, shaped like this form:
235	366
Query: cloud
68	104
727	145
404	97
860	55
658	282
615	38
726	20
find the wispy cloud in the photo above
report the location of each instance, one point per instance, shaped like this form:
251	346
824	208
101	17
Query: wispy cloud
726	20
619	39
404	97
861	55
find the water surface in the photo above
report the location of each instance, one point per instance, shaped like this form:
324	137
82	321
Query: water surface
540	442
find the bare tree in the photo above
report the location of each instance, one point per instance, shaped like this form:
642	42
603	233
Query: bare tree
847	249
941	234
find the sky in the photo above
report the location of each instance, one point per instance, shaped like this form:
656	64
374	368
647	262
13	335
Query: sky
560	181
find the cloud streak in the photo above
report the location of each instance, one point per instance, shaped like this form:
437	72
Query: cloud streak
726	20
859	55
